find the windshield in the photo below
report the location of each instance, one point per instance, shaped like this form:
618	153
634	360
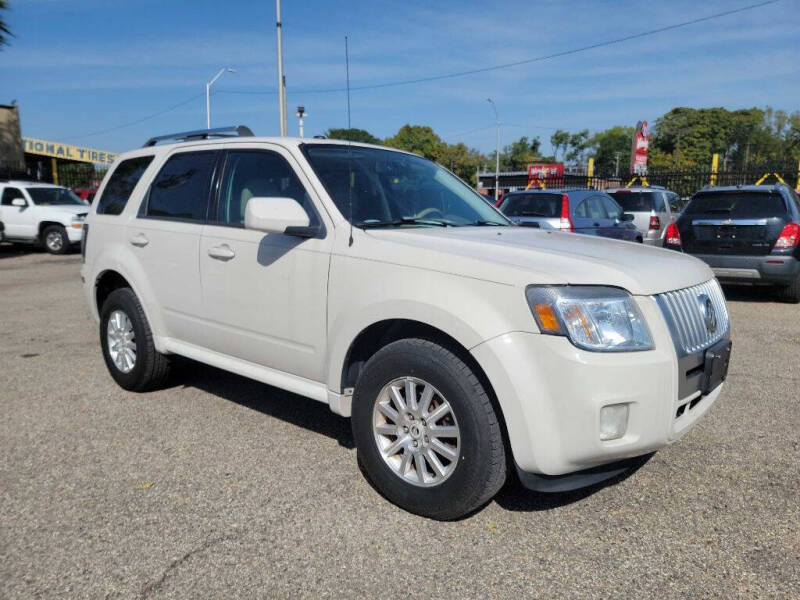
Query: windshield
52	196
532	205
393	189
737	205
634	201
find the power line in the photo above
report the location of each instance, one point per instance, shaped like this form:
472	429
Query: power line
457	73
525	61
137	121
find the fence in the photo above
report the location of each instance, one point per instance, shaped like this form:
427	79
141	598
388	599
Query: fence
71	175
684	183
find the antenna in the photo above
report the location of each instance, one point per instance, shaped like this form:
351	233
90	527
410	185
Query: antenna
351	178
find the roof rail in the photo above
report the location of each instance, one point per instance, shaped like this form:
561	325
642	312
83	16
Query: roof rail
201	134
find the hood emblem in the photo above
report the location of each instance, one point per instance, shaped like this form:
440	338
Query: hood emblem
708	313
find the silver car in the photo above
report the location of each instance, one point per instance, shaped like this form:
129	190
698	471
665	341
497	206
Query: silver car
653	209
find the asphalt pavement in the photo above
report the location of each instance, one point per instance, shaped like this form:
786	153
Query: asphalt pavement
221	487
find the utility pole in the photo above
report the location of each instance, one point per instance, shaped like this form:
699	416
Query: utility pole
616	163
281	78
497	152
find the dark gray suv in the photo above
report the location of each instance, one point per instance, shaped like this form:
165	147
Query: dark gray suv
746	234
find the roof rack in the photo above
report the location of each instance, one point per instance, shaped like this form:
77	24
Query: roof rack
201	134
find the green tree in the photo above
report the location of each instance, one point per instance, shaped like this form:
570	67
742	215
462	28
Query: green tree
462	161
518	155
559	140
5	33
419	139
353	134
612	149
577	145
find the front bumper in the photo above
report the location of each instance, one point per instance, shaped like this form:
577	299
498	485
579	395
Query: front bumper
551	394
771	268
75	235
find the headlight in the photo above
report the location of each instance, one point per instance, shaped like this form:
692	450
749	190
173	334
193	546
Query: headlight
602	319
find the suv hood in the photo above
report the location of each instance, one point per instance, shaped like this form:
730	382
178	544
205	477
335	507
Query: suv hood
70	209
521	256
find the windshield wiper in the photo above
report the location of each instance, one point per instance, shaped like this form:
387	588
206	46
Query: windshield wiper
482	222
402	221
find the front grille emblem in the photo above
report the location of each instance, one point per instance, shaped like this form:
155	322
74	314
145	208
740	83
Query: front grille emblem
708	313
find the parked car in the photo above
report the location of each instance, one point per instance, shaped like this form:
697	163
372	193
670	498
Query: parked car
375	281
86	194
652	207
747	234
581	211
42	213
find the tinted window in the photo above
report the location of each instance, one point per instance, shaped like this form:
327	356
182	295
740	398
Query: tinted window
634	201
591	208
612	208
258	173
180	190
532	205
54	196
10	194
392	188
738	205
120	185
674	202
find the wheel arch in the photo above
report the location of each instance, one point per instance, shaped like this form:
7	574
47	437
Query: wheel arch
381	333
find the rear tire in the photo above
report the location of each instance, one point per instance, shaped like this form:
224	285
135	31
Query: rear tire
422	479
55	240
127	341
791	292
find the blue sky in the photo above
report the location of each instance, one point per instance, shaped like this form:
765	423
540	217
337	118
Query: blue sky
79	67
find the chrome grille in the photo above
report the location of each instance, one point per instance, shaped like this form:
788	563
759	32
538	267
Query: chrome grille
686	319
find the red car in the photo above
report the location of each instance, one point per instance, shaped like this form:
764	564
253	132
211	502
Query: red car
85	193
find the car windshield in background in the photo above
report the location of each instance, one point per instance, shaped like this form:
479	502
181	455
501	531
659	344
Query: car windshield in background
634	201
737	205
53	196
382	188
532	205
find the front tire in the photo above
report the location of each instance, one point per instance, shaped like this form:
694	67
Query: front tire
55	240
127	341
427	434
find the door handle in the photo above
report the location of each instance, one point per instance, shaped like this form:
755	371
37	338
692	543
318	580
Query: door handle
139	240
223	252
597	224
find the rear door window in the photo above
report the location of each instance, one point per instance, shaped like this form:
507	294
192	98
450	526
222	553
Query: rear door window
532	205
738	205
180	190
634	201
612	208
592	208
120	185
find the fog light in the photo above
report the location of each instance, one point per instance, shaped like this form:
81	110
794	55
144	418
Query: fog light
613	421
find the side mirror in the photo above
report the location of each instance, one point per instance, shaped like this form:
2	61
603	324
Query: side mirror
20	202
275	215
627	217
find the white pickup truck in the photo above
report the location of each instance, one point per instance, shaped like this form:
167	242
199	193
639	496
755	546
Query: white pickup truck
41	213
461	346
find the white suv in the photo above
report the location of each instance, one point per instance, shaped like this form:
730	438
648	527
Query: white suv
379	283
34	212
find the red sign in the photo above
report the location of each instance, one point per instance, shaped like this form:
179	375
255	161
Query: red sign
545	170
639	148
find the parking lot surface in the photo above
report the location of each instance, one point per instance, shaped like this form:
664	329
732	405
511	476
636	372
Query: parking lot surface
222	487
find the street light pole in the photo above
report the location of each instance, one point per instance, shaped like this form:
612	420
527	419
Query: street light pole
497	153
208	93
281	79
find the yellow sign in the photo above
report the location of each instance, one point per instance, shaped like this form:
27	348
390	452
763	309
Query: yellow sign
65	151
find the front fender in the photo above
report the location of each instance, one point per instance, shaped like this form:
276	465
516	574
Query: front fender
364	292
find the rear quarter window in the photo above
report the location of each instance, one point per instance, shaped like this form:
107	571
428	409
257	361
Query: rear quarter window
738	205
120	185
